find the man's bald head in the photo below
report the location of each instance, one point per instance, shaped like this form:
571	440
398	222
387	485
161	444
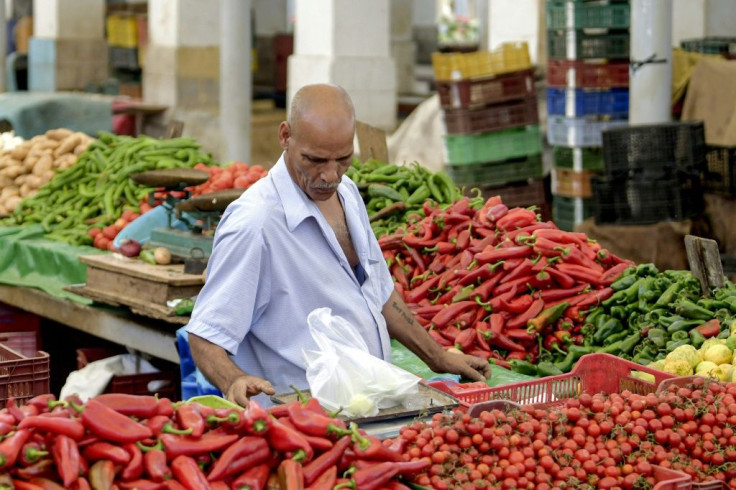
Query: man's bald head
318	103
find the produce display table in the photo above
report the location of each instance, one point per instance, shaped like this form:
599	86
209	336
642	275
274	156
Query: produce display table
113	324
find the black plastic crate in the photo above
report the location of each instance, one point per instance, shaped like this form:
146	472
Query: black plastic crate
655	149
640	201
125	58
578	44
710	45
719	176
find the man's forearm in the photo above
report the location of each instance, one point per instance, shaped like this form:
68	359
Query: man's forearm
214	363
403	326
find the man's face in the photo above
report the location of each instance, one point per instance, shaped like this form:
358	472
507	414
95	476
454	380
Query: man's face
317	158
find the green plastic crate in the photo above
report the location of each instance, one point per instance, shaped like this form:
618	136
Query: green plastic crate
710	45
569	211
566	15
464	149
578	158
497	173
572	44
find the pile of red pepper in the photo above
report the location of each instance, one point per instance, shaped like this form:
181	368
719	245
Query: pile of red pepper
497	282
147	443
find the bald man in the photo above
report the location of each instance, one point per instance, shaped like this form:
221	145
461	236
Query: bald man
296	241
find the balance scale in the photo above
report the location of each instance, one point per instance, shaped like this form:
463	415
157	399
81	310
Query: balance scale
202	212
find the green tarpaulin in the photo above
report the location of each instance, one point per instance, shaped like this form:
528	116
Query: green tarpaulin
29	260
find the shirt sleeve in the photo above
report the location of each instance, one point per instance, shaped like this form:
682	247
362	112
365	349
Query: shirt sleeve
236	289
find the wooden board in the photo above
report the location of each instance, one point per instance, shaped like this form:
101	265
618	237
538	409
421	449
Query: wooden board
172	274
705	262
372	142
428	400
136	304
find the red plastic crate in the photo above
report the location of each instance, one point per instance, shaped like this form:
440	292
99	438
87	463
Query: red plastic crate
668	479
581	74
22	377
133	384
481	92
594	373
492	118
20	330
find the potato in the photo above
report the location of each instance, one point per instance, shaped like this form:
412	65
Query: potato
3	212
12	202
11	190
33	181
58	134
21	151
25	190
67	145
21	179
12	171
48	175
43	164
81	148
5	181
8	161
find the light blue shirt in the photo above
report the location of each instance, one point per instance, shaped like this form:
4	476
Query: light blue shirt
275	259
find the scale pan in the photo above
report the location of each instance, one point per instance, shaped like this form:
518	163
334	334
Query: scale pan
171	177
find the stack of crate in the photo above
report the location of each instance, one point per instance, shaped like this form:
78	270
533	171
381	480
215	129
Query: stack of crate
588	80
125	60
493	140
652	174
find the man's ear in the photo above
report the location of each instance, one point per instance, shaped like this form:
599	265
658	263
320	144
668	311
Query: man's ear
284	134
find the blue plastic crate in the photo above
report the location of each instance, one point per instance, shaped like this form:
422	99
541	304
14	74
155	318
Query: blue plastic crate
580	102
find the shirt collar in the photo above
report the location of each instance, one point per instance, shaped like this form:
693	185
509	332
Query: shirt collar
297	205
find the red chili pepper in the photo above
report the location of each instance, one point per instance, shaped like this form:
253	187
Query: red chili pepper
189	418
439	338
516	283
134	469
516	218
420	292
139	406
326	460
187	472
139	484
495	212
243	454
256	418
465	339
518	305
391	242
520	335
466	319
7	418
30	453
291	475
155	465
109	424
283	438
522	319
46	484
483	292
326	480
14	410
56	425
504	253
42	402
522	270
371	448
581	273
24	485
67	459
212	441
501	341
609	276
43	468
254	478
519	356
592	298
555	294
312	423
427	311
11	446
172	485
447	314
479	244
399	274
561	278
376	476
709	329
104	450
102	475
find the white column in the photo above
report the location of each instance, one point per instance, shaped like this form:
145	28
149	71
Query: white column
235	79
3	45
402	44
650	85
346	42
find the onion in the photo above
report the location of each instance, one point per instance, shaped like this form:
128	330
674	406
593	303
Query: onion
130	248
162	255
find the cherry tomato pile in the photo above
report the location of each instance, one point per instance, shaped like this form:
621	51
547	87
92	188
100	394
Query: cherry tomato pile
593	441
103	237
148	443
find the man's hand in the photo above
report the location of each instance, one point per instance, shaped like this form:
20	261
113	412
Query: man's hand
245	387
470	367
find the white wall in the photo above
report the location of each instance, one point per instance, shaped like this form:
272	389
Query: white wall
271	16
721	18
702	18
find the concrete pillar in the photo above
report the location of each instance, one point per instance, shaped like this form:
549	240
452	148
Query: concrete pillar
68	48
402	44
346	42
650	81
235	79
692	19
520	20
3	45
182	67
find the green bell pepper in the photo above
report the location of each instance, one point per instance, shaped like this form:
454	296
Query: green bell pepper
674	344
611	327
546	368
696	338
523	367
657	337
689	309
683	325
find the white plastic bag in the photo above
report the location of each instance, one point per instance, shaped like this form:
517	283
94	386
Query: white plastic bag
343	374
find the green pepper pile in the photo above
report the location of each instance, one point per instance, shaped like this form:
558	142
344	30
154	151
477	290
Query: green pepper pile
651	313
392	192
97	189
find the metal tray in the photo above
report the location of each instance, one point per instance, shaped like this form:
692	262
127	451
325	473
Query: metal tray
429	400
171	178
